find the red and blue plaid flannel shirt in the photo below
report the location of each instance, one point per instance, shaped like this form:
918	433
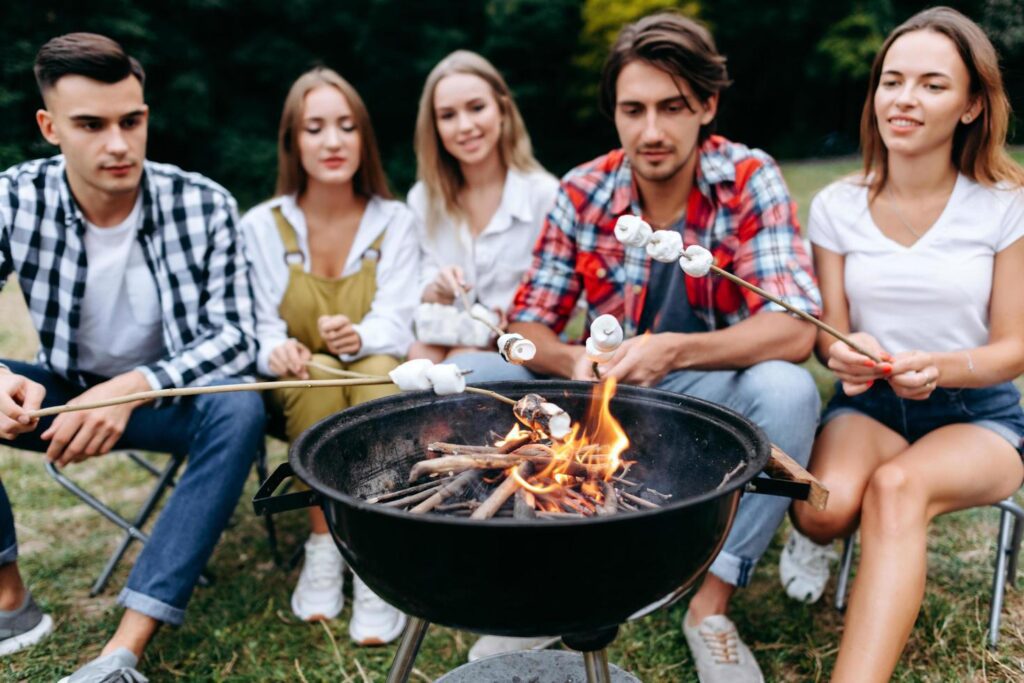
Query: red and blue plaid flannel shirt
739	209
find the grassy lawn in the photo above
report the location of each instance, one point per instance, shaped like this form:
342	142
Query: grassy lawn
241	628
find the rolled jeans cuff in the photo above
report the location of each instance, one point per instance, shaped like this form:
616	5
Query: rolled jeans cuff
732	569
151	607
10	554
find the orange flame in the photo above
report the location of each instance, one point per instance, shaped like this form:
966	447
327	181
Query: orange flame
592	450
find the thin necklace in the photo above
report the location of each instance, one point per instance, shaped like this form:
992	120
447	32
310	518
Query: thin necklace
899	215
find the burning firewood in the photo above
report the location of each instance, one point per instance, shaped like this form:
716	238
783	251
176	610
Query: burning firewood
505	490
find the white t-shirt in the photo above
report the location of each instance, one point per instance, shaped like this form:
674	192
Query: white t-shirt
496	259
120	325
933	295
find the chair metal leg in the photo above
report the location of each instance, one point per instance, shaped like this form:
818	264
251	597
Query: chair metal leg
843	580
999	580
268	519
132	530
1009	506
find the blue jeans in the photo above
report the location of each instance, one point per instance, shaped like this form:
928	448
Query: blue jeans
779	397
220	433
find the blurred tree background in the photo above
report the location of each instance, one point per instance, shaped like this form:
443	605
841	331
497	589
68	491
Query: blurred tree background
218	70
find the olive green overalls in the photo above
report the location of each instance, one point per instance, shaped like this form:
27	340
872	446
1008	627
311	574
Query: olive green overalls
308	297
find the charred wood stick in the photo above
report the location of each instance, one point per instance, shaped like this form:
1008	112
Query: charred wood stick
455	486
408	490
623	505
445	448
664	496
637	500
524	502
505	490
412	499
625	482
545	514
464	505
461	463
611	500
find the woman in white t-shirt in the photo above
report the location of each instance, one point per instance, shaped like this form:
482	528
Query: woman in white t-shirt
333	261
481	197
920	259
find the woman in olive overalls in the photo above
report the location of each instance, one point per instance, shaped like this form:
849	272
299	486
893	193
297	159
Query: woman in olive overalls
334	273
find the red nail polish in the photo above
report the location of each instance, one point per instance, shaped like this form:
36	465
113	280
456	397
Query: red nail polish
870	383
869	363
887	370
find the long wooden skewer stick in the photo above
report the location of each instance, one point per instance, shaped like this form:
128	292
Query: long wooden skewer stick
796	311
215	389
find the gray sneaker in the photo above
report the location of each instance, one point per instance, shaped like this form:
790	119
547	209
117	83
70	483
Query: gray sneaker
23	627
718	652
117	667
489	646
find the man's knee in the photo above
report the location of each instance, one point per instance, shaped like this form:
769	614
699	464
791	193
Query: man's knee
777	389
242	411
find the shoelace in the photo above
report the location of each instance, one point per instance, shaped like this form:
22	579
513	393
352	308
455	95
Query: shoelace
366	598
321	566
723	646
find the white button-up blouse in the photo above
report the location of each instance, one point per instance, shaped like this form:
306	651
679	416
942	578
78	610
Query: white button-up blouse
495	261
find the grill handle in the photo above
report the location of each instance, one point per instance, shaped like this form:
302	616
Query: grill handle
265	503
787	478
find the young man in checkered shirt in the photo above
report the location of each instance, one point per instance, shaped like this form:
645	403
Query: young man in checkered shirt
704	337
135	280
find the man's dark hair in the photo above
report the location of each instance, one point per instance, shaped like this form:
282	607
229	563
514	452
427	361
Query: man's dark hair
84	54
677	45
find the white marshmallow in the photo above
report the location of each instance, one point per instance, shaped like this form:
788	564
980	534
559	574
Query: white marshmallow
559	425
632	231
696	261
596	355
606	332
412	375
665	246
515	348
446	379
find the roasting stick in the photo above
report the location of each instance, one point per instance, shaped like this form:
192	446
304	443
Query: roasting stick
216	389
796	311
469	306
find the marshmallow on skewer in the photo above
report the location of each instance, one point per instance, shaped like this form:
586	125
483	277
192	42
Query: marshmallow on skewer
515	348
632	231
696	261
412	375
596	355
446	379
536	413
665	246
606	332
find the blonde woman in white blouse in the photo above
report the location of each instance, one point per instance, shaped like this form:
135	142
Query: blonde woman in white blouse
481	197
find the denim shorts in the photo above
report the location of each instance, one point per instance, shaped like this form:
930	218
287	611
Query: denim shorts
995	408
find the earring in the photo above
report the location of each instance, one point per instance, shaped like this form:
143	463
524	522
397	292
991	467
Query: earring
968	118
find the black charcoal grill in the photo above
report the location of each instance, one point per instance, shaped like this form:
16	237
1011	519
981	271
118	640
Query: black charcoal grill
500	576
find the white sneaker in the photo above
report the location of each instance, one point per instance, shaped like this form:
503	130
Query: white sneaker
718	653
804	567
317	595
374	622
489	646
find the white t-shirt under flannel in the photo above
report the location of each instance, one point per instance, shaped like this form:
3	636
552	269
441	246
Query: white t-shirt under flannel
933	295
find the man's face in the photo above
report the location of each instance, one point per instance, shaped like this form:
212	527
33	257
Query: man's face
658	119
101	130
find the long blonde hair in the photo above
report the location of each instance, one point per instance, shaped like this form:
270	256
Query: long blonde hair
979	147
369	179
435	166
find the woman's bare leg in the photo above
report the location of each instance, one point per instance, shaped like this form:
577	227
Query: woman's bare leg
902	497
431	352
846	453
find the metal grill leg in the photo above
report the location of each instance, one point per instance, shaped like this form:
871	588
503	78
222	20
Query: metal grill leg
408	648
268	519
843	580
596	664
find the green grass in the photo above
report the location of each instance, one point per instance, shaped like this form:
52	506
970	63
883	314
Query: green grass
241	628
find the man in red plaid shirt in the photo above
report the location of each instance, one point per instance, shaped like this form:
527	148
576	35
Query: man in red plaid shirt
700	336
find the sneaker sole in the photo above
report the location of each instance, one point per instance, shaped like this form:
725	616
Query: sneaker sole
28	638
545	644
316	616
378	638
